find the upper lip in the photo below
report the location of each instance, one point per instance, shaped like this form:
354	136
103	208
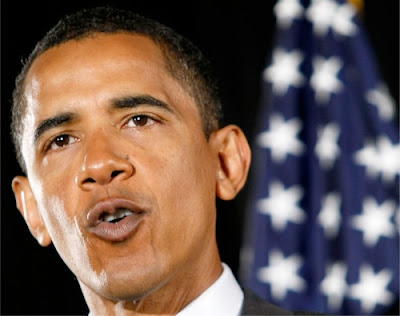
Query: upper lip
110	206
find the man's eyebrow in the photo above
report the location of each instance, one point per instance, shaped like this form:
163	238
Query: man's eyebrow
53	122
118	103
135	101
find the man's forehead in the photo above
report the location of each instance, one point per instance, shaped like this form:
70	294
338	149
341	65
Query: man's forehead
74	60
100	67
67	69
98	46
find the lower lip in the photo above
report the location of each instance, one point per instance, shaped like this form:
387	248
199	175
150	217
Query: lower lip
118	231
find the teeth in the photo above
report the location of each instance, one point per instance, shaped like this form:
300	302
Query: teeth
119	214
109	218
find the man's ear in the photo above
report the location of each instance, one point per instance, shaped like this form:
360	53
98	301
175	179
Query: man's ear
26	204
234	161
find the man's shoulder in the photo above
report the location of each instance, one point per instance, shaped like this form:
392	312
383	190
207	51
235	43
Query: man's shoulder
255	305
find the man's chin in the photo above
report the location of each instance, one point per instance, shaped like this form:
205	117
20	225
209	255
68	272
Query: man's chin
122	286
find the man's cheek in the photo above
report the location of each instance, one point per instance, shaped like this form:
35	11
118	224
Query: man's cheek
54	215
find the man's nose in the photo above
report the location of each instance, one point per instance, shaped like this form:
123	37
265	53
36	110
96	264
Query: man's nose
103	164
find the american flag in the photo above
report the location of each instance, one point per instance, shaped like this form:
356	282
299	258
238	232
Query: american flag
324	221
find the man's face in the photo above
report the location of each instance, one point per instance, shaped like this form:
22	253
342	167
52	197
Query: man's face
122	174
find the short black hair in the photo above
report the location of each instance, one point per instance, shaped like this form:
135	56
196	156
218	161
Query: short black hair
183	61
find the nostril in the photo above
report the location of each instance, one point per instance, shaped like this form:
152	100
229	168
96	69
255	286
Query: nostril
115	173
89	180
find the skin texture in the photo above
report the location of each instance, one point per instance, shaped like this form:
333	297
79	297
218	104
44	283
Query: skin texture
155	156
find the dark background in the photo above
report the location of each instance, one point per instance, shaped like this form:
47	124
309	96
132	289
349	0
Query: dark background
238	40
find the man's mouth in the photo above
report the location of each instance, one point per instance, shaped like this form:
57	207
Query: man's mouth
115	219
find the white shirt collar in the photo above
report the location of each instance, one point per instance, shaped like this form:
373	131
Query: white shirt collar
223	298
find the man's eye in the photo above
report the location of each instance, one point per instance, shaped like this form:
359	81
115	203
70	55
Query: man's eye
61	141
139	121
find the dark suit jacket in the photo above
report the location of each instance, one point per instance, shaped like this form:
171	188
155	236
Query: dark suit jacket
254	305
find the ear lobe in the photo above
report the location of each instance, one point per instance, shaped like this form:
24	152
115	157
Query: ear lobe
234	157
26	204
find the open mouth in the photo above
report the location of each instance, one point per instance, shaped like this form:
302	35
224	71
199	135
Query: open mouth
115	217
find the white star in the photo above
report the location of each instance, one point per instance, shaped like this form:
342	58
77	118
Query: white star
282	206
342	23
323	79
371	289
382	158
329	217
389	157
281	274
281	138
321	14
284	71
325	14
381	98
286	11
374	222
327	148
334	284
368	157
